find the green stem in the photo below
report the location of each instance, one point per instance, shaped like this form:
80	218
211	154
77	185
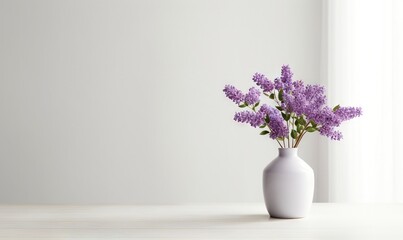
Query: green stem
301	135
289	134
279	143
293	127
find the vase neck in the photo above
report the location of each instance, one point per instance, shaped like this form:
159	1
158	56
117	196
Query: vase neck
286	152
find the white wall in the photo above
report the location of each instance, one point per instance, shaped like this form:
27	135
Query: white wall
121	101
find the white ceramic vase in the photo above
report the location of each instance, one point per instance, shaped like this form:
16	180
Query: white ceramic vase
288	184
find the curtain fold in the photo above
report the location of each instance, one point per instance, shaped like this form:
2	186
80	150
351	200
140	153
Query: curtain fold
365	68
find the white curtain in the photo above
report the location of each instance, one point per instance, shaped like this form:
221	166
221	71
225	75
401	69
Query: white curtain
365	68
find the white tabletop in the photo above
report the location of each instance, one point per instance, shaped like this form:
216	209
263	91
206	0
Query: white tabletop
223	221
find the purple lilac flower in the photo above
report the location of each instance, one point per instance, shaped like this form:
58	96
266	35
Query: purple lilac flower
243	117
329	131
308	102
234	94
286	78
298	85
285	81
347	113
252	118
263	82
252	96
326	117
329	119
292	102
278	84
277	125
305	100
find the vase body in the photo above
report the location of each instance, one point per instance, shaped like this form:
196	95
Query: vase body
288	185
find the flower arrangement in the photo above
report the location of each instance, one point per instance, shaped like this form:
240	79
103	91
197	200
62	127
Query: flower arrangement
298	109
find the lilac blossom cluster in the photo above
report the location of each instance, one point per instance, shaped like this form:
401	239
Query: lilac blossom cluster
265	116
299	109
234	94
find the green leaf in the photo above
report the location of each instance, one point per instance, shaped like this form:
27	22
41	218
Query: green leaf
336	107
257	104
271	96
242	105
280	138
280	95
279	108
262	126
264	132
302	121
311	129
313	124
299	128
286	116
266	94
267	119
297	122
294	134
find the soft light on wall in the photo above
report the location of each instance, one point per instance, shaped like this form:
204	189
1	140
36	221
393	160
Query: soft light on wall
108	101
365	68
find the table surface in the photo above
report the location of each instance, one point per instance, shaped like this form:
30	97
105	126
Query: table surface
223	221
